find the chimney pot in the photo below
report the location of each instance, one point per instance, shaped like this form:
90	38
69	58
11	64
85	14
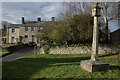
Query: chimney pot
39	19
53	20
23	20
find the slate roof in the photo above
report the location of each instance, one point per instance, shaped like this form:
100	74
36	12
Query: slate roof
115	31
14	26
29	24
26	22
35	24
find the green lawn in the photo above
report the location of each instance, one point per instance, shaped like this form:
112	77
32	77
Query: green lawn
3	53
57	66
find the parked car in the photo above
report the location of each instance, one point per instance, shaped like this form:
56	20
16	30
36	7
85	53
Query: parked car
32	44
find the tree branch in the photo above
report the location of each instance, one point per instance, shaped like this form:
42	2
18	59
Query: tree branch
111	18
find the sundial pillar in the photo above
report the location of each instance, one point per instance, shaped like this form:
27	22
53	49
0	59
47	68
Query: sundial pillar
95	14
94	65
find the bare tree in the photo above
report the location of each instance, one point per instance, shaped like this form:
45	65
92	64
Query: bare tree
109	12
5	24
79	7
75	8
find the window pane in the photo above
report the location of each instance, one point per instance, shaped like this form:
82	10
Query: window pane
16	39
26	36
32	28
13	30
26	28
13	39
33	38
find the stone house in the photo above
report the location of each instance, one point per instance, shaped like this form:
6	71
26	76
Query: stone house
24	32
12	35
115	36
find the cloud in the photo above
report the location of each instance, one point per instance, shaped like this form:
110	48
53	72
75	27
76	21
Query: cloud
35	0
60	0
13	11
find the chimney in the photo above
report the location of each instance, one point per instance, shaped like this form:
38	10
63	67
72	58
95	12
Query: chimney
23	20
39	19
53	20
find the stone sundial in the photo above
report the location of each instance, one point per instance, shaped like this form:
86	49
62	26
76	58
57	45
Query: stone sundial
94	64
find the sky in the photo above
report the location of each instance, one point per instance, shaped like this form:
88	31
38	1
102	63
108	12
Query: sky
13	11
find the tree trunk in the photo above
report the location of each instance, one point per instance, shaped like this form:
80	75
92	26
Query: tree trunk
106	25
106	32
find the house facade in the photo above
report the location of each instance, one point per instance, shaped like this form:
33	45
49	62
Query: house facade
12	35
25	32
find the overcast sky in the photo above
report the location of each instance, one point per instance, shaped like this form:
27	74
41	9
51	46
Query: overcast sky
13	11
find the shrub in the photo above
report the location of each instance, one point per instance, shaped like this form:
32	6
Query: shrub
74	31
46	49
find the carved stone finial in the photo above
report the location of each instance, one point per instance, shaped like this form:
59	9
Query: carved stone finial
96	4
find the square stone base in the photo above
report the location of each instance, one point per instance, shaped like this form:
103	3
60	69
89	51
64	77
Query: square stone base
93	66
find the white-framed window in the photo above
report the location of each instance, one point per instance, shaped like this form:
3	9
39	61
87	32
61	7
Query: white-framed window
32	29
33	38
13	39
13	30
17	39
26	28
26	37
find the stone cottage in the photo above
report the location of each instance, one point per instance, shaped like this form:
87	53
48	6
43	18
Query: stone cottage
24	32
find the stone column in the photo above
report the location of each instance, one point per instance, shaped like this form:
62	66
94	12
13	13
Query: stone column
94	65
95	14
94	55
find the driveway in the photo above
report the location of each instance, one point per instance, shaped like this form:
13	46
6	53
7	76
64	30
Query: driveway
20	53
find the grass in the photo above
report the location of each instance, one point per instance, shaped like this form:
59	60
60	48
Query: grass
57	66
4	52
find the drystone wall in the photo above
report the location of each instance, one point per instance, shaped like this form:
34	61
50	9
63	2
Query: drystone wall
81	50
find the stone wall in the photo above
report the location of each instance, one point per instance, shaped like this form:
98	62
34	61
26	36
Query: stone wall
82	50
